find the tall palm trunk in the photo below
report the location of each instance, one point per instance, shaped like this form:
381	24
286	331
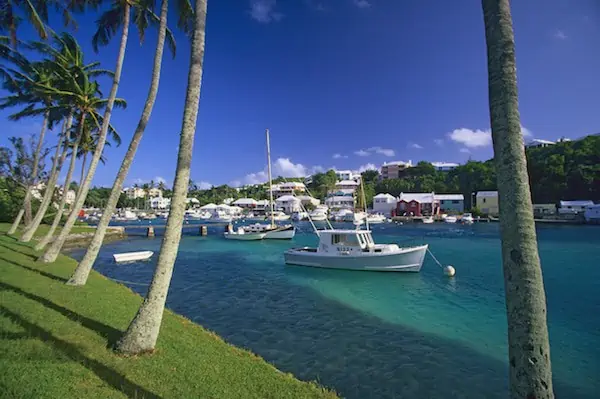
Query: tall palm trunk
85	266
51	184
61	207
143	331
26	209
528	346
54	249
83	168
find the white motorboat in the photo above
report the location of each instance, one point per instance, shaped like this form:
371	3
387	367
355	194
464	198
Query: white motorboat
241	235
318	215
278	216
132	256
341	214
450	219
467	218
298	216
220	217
272	231
355	250
428	220
376	218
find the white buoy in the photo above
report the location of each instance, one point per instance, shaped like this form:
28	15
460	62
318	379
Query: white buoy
449	271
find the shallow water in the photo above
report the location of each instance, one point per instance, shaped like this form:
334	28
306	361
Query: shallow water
386	335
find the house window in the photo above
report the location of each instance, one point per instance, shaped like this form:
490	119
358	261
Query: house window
455	201
484	200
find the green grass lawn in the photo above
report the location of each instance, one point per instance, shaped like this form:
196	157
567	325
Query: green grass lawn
55	343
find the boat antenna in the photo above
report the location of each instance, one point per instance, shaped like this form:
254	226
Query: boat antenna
364	199
270	177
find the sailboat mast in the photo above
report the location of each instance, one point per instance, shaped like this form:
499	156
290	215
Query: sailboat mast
270	177
364	199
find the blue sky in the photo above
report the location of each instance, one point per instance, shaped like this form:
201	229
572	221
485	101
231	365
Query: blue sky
347	84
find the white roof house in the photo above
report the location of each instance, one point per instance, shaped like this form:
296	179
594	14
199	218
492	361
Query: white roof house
422	198
449	197
208	207
385	196
574	207
444	166
384	203
288	198
305	199
245	202
576	203
398	163
539	143
288	203
487	194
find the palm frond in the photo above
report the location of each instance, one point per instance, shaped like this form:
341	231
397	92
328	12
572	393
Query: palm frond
185	13
35	19
107	26
171	42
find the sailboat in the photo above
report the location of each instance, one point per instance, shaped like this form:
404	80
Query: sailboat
356	250
270	230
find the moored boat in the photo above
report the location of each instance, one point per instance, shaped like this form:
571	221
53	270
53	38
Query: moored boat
132	256
241	235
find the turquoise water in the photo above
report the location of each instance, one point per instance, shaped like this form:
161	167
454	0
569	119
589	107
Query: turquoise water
386	335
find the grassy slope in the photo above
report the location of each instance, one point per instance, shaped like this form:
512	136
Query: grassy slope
54	339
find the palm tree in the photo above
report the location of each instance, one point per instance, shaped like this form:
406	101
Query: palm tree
143	331
78	93
528	345
36	13
83	269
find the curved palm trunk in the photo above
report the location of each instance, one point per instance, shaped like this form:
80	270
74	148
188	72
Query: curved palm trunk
50	186
143	331
61	207
54	249
85	266
27	201
528	346
83	168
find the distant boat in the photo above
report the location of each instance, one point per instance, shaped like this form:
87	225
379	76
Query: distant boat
376	218
466	218
428	220
242	235
133	256
450	219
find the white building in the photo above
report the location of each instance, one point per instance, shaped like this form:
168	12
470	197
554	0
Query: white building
262	205
155	192
70	198
193	202
592	214
159	203
340	201
384	203
539	143
346	186
394	170
573	207
135	192
245	203
288	203
288	188
346	175
487	202
444	166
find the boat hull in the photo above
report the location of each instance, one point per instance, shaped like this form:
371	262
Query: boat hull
133	256
404	260
245	236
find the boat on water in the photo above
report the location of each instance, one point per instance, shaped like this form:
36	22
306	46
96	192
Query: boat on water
376	218
299	216
132	256
318	215
467	218
259	231
428	220
356	250
450	219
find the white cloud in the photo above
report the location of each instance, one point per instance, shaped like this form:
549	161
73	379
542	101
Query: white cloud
388	152
235	183
366	167
560	35
263	11
317	169
362	153
362	3
439	142
415	146
465	150
471	138
159	179
203	185
478	138
339	156
281	167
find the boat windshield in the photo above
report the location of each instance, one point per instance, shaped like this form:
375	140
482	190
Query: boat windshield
366	237
345	239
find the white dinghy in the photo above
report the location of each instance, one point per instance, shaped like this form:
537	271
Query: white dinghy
133	256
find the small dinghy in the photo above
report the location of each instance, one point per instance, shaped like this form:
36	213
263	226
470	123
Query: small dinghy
133	256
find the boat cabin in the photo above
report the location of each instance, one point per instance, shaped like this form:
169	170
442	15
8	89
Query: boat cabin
343	242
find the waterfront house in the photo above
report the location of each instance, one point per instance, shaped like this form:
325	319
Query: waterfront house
394	170
155	192
288	204
487	202
340	200
208	207
245	203
592	214
574	207
135	193
384	203
159	203
262	205
192	202
542	210
288	188
444	166
417	204
451	203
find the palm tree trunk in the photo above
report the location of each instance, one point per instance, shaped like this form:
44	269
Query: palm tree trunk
528	346
82	169
85	266
34	172
54	249
61	207
143	331
50	186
